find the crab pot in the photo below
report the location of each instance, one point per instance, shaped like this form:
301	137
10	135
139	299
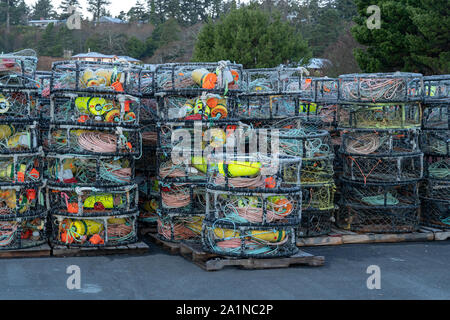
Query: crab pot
96	77
318	196
19	137
94	231
149	110
435	213
437	167
147	85
181	199
207	107
303	142
21	169
326	90
317	170
91	202
24	232
227	238
253	208
369	168
387	142
196	78
369	219
98	140
381	87
18	201
265	107
148	208
436	188
180	228
85	109
88	171
18	104
379	116
275	81
186	166
435	142
18	70
253	173
436	117
315	223
437	89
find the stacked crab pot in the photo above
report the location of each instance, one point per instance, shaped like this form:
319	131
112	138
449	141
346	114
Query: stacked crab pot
22	207
435	137
379	117
91	144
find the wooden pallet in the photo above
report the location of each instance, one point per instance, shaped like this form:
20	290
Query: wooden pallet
340	236
43	250
213	262
171	247
64	251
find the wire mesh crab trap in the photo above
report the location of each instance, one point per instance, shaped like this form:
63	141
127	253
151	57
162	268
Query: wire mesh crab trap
88	171
379	116
379	220
315	223
181	199
84	109
194	78
92	140
189	167
19	137
180	228
435	213
319	196
201	107
227	238
21	169
326	90
94	231
381	87
436	117
96	77
24	232
265	107
437	89
18	69
149	136
373	168
148	200
21	200
18	104
149	110
435	142
254	208
253	173
436	188
437	167
381	142
91	202
277	81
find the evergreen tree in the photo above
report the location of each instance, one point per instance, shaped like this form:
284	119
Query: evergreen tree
65	5
137	13
98	8
43	9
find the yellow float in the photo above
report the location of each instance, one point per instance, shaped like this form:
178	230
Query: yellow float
271	236
240	168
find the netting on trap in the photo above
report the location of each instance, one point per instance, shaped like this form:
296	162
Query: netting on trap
315	223
181	199
379	116
437	89
149	110
88	171
83	109
387	142
194	78
317	170
374	220
21	169
436	188
435	213
18	69
200	107
376	195
180	228
383	169
437	167
318	196
435	142
19	137
436	117
148	209
187	167
149	135
18	104
98	141
96	77
277	81
227	238
90	202
254	173
21	200
22	233
381	87
326	90
253	208
306	143
94	231
265	107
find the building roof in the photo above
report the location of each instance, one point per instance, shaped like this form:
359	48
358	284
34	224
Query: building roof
318	63
45	21
93	54
106	19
